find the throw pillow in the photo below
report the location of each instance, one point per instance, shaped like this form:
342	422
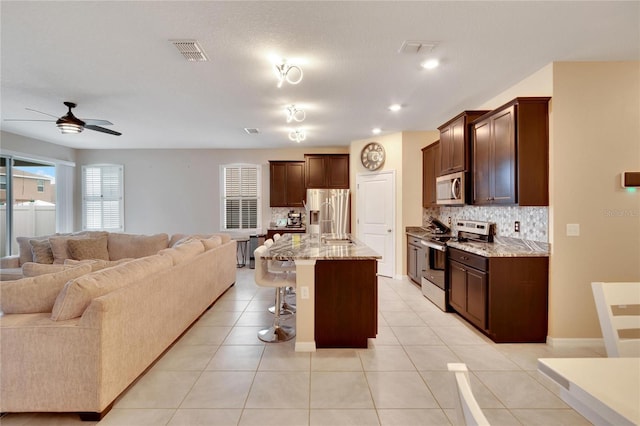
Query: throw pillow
26	255
36	294
90	248
183	252
41	250
59	247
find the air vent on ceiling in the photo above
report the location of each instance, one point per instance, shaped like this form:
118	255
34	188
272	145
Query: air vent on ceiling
191	50
252	130
416	46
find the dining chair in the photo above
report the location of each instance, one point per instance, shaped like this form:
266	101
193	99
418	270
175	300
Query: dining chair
468	411
618	306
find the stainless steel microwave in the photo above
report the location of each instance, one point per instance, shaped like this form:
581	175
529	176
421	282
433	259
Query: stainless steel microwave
450	189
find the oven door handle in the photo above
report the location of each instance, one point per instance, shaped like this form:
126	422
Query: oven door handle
429	244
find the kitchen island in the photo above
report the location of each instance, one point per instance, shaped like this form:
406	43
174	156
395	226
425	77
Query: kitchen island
336	290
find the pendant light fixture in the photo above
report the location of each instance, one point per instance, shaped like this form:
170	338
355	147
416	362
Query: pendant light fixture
295	114
292	74
297	135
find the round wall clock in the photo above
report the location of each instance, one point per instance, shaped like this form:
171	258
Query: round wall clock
372	156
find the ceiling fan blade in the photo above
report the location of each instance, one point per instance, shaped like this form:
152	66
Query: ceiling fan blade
95	122
102	129
40	112
22	119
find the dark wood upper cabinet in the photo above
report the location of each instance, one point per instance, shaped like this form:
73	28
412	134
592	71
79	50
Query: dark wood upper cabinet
455	142
510	154
327	171
286	183
430	170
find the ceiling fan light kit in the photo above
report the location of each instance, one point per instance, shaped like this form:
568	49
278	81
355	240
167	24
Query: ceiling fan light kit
70	124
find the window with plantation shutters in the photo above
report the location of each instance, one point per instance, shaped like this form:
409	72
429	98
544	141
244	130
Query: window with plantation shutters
102	197
240	197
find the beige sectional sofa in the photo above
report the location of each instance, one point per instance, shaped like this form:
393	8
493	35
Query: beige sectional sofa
91	332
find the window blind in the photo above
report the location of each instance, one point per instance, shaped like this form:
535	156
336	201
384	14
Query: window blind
241	195
102	197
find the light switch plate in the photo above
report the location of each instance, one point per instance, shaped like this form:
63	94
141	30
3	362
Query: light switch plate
304	292
573	229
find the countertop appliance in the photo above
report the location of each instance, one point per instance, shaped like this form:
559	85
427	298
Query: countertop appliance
327	211
435	279
451	189
294	220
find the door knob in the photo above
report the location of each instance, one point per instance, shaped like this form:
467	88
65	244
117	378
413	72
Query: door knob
388	230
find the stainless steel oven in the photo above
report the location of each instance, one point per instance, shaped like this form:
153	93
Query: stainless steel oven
434	277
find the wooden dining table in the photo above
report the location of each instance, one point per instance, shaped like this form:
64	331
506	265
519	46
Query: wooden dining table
604	390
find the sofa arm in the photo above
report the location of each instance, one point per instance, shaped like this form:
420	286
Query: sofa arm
10	262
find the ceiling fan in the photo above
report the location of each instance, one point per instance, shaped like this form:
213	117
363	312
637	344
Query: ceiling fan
69	123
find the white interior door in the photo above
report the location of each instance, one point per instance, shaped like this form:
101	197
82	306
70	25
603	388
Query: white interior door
376	216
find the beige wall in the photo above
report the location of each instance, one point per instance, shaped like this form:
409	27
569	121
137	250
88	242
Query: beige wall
400	149
596	135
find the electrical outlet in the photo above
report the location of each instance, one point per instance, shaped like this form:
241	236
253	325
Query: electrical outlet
304	292
517	226
449	220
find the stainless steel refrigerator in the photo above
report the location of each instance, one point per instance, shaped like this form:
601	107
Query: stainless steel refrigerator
327	211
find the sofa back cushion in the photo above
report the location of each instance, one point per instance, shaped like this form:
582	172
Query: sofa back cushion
89	248
183	252
130	245
96	264
211	243
36	294
78	293
60	248
34	269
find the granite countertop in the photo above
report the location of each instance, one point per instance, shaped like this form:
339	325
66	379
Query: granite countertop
504	247
306	246
500	247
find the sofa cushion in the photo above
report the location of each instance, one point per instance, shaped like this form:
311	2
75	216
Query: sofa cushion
41	251
90	248
97	264
36	294
10	274
34	269
78	293
130	245
183	252
211	243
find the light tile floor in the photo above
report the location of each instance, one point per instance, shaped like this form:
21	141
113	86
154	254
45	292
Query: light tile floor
219	373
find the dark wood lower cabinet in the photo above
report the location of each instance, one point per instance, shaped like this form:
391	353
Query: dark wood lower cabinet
504	297
346	303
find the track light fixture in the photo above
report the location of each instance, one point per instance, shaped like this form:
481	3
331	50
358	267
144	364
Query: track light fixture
295	114
292	74
297	135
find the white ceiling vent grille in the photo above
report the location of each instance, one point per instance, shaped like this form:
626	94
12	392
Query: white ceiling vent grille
252	130
417	46
191	50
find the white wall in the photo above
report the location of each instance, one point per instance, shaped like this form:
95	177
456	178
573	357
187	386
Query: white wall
179	190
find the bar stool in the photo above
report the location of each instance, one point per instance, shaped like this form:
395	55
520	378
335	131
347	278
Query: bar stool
264	278
280	267
276	237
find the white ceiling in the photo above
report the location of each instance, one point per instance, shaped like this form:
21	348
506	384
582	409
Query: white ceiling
114	59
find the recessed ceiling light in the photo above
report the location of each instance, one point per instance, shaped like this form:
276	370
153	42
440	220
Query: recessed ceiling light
395	107
376	130
430	64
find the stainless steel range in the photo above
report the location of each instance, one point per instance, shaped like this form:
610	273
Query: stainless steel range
434	275
435	279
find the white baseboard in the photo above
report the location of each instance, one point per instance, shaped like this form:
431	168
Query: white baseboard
306	346
558	342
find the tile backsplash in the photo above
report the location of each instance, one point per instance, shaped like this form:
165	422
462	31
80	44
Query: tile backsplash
280	213
534	221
